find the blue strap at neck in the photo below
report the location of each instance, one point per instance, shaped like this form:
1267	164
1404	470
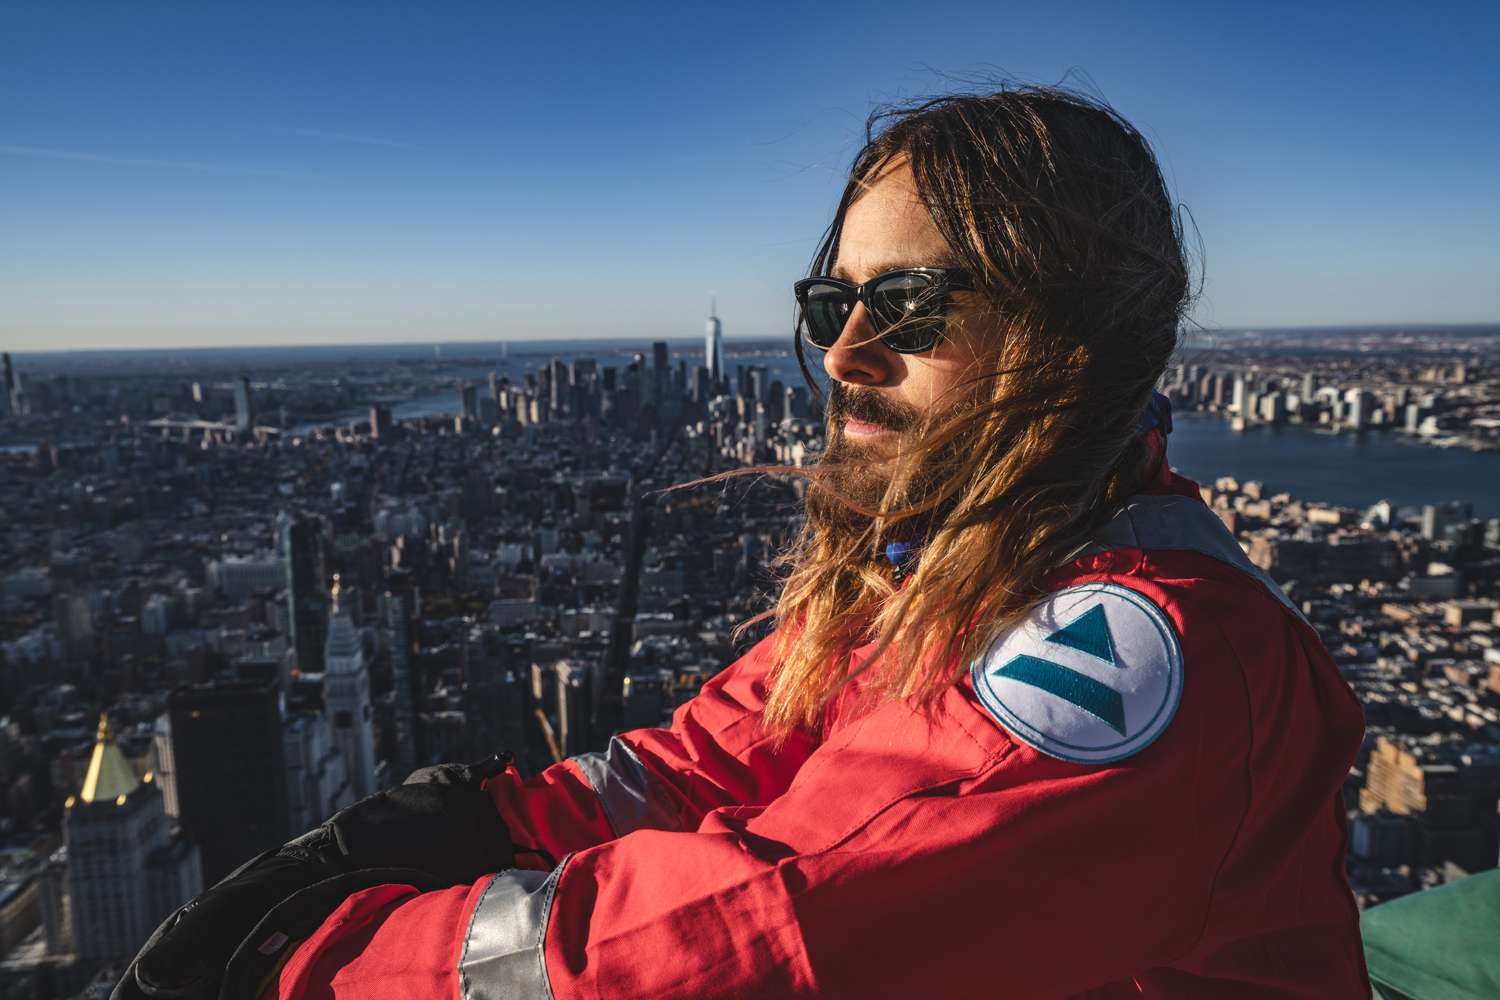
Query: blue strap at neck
898	553
1158	413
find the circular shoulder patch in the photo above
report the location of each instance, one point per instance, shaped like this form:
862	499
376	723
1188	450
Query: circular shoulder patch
1093	674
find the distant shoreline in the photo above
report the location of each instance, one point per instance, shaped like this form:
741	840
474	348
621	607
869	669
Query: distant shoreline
1191	341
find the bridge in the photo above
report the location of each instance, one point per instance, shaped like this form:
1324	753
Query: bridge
191	424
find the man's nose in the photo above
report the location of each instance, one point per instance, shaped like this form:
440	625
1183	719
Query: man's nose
858	357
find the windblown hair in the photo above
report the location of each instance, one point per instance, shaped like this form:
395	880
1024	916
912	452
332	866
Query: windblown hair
1057	205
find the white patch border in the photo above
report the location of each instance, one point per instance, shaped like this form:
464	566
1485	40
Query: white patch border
1058	748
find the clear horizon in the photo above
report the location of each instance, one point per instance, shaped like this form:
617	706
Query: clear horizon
252	178
24	353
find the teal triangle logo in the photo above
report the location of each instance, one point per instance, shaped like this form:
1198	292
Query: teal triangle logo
1088	633
1092	675
1099	700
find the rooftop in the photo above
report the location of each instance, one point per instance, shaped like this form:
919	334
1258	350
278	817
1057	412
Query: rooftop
109	775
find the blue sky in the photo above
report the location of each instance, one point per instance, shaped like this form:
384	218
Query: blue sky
214	174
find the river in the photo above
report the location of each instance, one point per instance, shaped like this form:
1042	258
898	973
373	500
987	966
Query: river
1353	470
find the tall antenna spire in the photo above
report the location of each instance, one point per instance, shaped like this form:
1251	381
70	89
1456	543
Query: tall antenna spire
713	346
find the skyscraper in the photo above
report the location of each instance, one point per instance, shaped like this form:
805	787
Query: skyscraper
231	772
346	699
1439	520
126	870
316	782
380	422
661	373
244	415
400	620
7	384
555	378
1359	403
575	706
758	383
713	346
302	552
583	371
163	766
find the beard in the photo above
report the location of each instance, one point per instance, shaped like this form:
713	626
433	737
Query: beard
853	479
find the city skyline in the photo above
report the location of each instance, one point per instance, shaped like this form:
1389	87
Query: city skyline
222	178
235	605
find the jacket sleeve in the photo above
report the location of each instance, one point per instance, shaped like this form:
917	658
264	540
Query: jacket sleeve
913	855
1016	875
983	886
715	753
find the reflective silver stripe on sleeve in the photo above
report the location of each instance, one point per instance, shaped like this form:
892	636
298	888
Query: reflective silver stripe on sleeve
1180	523
503	957
632	796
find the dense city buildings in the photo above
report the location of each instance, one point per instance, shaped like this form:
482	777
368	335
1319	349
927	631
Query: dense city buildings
1442	390
282	618
1407	604
240	595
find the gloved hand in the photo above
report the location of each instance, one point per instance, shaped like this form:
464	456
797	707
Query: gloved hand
439	828
440	821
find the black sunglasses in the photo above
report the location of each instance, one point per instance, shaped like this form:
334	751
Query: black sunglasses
906	306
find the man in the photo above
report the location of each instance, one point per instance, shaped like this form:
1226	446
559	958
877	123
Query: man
1030	724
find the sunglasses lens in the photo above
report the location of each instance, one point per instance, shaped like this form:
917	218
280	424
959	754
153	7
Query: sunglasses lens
907	309
825	309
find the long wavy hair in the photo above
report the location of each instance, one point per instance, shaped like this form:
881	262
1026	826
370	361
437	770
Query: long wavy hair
1057	205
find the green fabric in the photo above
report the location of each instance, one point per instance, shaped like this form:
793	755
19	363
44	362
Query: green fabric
1442	944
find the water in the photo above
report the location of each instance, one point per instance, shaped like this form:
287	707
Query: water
1352	470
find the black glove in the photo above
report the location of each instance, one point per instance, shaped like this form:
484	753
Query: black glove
440	822
439	828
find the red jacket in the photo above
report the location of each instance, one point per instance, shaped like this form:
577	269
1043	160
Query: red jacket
1135	792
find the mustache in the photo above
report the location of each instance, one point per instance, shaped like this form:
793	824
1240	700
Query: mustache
869	406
